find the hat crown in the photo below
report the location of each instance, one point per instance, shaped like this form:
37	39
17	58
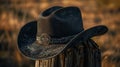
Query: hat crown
60	22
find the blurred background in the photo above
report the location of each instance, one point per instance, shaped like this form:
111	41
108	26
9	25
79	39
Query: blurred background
16	13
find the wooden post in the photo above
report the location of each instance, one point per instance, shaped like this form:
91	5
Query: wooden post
86	54
37	63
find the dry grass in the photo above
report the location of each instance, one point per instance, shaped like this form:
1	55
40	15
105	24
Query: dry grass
15	13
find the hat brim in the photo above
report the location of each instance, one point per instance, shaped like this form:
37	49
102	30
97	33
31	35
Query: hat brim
29	48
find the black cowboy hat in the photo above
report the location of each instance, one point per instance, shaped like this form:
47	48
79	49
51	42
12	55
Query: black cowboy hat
57	28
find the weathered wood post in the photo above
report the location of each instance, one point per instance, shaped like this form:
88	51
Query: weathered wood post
58	39
85	54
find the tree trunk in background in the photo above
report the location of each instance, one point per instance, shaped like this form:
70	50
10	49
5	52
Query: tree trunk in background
85	54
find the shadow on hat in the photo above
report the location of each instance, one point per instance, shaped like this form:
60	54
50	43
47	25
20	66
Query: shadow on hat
56	29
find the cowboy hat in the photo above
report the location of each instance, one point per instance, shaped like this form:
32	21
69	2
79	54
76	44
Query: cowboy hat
56	29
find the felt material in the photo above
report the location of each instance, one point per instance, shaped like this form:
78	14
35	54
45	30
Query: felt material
58	28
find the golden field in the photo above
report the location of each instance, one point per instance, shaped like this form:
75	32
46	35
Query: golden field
15	13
